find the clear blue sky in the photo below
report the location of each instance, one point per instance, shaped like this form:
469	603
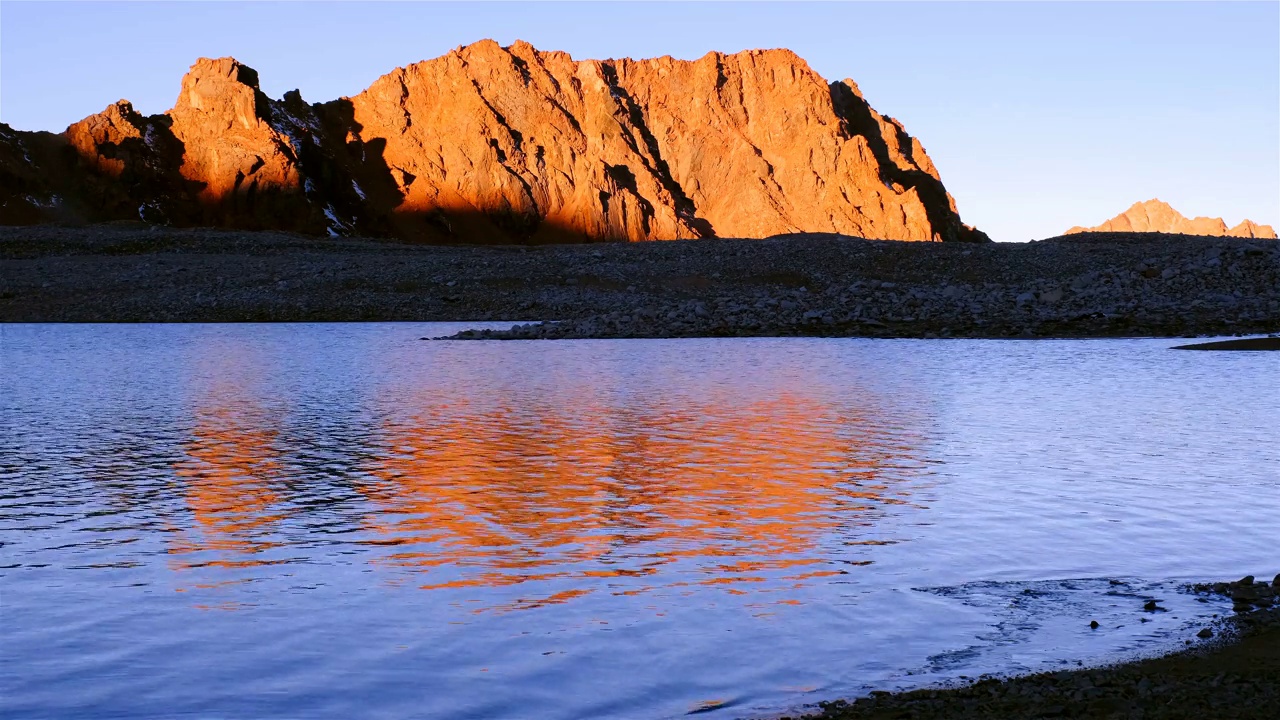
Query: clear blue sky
1039	115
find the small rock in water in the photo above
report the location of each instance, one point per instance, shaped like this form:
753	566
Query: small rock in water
1093	624
1152	606
1205	633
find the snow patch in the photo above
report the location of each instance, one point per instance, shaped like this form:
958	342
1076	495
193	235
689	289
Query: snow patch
289	125
53	201
356	186
336	227
151	212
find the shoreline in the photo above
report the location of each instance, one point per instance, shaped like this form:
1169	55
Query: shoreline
1079	286
1233	673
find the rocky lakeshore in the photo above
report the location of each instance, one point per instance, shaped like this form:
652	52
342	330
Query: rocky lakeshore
1084	285
1234	672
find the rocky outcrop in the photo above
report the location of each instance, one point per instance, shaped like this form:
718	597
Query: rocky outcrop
494	144
1157	216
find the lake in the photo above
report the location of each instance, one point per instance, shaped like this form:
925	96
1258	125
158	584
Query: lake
342	520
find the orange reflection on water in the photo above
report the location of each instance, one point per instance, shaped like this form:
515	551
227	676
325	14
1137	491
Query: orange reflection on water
650	495
228	474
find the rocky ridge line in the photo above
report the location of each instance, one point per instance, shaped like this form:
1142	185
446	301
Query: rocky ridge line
491	144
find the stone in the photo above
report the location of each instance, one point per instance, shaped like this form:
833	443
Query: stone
1205	633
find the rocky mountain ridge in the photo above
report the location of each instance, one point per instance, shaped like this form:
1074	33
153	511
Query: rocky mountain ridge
1158	216
491	144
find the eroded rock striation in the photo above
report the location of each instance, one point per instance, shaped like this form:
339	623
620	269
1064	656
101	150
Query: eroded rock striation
492	144
1157	216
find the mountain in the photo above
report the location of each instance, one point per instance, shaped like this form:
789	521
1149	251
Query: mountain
1157	216
493	144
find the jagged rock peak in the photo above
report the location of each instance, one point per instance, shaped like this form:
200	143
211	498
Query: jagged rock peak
1155	215
222	69
221	87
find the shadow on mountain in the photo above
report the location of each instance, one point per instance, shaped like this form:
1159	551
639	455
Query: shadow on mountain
348	189
343	185
861	120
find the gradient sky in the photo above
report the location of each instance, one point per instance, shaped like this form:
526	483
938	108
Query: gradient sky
1039	116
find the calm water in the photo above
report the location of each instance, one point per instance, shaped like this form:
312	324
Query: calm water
267	521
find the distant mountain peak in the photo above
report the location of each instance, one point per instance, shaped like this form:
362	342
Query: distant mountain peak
1156	215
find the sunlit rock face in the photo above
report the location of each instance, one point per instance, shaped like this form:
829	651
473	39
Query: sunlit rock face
494	144
1157	216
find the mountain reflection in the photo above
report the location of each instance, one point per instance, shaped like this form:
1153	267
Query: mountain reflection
704	491
535	488
229	476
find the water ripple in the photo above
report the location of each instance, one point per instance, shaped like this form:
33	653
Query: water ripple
268	521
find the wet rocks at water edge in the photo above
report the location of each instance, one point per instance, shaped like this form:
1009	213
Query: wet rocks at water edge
1246	594
1233	672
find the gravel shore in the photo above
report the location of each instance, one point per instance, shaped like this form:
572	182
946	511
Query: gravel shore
1233	672
1090	285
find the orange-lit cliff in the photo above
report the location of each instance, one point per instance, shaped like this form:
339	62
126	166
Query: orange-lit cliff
493	144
